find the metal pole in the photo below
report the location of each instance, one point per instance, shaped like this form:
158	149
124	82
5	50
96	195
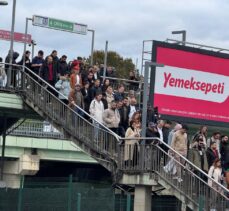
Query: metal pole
183	32
92	45
143	49
70	193
78	201
128	205
145	98
19	207
105	61
32	50
145	94
184	37
3	147
9	71
26	33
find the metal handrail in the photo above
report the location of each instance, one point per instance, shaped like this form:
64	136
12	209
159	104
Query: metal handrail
34	129
25	78
175	152
54	89
125	80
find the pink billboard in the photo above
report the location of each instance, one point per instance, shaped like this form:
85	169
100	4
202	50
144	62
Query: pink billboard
193	85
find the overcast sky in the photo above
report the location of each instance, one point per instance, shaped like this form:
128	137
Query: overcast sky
124	23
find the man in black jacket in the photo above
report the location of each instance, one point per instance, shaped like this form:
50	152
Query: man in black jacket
93	90
14	68
212	153
62	66
224	151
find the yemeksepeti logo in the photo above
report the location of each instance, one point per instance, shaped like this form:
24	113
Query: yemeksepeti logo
191	84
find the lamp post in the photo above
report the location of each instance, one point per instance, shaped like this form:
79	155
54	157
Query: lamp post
105	61
9	72
33	43
92	44
3	3
183	32
26	33
145	93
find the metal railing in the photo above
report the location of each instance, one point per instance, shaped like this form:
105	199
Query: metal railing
38	94
35	128
188	180
96	138
197	45
137	86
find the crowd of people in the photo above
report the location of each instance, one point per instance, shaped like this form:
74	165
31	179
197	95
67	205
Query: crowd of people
82	86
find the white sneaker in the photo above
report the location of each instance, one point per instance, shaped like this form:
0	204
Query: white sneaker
179	179
165	169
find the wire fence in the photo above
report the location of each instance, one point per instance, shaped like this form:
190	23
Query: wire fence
65	194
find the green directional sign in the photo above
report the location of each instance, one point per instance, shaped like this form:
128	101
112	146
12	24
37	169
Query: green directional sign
59	24
62	25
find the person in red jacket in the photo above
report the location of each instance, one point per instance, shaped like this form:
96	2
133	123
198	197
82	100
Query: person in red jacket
75	77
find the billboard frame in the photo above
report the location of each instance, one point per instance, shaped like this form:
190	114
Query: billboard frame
176	46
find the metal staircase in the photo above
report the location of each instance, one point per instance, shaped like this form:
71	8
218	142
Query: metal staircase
192	188
107	148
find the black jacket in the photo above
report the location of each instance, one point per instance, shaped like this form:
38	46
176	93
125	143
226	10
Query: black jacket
211	156
44	73
92	92
224	151
62	68
153	134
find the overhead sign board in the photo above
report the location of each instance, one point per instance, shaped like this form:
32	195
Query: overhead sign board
193	85
57	24
18	37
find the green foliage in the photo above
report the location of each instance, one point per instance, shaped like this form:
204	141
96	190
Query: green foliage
122	66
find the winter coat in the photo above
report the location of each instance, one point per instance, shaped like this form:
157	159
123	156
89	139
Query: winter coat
195	157
119	96
211	156
75	79
7	60
64	88
224	151
216	174
62	67
73	97
96	110
92	92
44	73
166	132
27	62
110	98
2	76
111	118
130	144
179	143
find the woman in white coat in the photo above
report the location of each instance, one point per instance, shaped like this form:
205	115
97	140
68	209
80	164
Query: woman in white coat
96	110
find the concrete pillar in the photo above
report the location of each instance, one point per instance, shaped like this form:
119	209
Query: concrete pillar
142	198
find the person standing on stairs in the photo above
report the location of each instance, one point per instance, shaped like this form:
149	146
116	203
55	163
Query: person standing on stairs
180	145
96	110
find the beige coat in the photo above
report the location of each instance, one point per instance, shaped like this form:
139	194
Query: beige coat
129	144
111	118
179	142
110	98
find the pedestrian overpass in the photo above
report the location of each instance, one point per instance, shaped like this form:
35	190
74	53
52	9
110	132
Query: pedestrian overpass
108	149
